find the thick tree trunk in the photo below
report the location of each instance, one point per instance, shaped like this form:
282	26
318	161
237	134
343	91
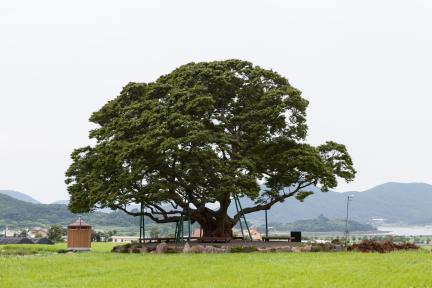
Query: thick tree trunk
217	227
217	223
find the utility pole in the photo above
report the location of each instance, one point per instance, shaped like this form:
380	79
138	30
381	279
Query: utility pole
349	198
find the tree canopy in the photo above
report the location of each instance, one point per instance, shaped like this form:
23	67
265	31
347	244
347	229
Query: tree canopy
56	232
203	133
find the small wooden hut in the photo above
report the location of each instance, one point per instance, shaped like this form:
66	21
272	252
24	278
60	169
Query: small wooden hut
79	235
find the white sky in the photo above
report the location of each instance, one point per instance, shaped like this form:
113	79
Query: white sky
365	66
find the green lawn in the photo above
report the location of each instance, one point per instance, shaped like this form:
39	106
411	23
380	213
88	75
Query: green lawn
100	268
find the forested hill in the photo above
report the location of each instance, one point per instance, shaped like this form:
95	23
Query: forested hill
19	196
395	202
403	203
20	214
319	224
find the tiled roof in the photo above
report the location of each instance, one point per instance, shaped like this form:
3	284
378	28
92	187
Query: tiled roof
79	223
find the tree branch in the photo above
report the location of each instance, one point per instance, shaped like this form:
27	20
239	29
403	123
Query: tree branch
273	201
166	219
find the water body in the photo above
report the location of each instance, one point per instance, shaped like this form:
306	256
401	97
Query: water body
407	230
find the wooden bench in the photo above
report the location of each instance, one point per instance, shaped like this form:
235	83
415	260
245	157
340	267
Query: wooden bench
218	239
158	239
168	239
269	238
214	239
199	239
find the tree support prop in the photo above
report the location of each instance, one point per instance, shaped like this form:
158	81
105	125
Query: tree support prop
266	223
239	208
179	230
142	225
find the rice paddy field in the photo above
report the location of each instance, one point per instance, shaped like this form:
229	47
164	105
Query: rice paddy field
41	266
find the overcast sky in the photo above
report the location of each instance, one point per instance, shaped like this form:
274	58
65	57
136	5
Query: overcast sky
365	66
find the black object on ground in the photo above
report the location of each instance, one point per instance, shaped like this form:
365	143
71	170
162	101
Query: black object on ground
295	236
16	240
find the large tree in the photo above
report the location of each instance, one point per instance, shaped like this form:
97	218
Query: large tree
202	134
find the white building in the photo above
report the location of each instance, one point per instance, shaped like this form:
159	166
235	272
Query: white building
124	239
9	233
38	232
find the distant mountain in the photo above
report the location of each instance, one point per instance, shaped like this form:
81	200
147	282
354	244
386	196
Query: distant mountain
63	202
397	203
104	210
403	203
20	214
19	196
319	224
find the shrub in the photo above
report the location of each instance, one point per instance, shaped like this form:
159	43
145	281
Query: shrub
121	248
240	249
381	246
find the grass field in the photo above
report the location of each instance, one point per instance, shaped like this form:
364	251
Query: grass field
100	268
